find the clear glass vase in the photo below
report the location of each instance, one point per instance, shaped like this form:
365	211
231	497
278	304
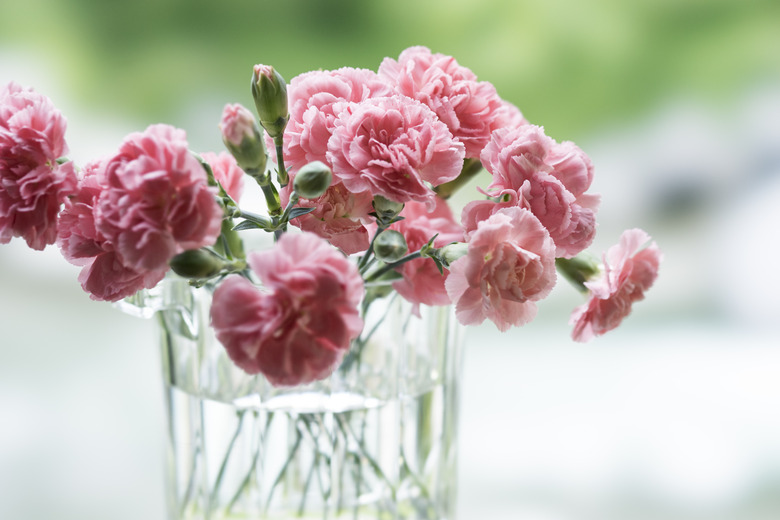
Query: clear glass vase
375	440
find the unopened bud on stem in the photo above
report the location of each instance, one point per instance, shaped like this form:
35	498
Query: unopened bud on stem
242	137
312	180
197	264
390	246
386	209
270	92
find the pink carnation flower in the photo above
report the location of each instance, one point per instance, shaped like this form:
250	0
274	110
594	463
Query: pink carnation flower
135	211
226	172
339	216
470	108
156	202
550	179
629	271
315	100
510	264
422	282
393	147
103	275
32	185
297	328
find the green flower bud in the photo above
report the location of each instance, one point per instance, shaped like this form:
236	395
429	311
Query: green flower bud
452	252
386	209
312	180
243	138
196	264
390	246
270	93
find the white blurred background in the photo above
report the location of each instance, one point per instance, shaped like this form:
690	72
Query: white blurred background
672	416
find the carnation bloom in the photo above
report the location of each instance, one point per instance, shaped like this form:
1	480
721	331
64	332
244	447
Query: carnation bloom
549	178
103	275
422	282
226	172
156	202
297	327
315	100
135	211
510	264
629	271
339	216
393	147
470	108
32	184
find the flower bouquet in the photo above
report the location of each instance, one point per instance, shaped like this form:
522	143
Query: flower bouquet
318	375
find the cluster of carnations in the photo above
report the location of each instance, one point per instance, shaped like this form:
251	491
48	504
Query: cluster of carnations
363	163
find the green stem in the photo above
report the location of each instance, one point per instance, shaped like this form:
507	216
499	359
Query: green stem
392	265
283	471
471	167
221	473
281	173
248	476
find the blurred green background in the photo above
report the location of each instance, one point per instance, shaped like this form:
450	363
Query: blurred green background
671	417
573	66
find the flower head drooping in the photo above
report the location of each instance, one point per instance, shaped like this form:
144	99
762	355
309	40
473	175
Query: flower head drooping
471	109
243	138
510	264
270	92
33	185
298	327
393	147
630	269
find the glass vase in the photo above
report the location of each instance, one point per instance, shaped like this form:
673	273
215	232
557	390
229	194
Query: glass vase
375	440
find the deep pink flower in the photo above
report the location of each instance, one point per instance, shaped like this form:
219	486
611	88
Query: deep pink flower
103	275
630	268
470	108
315	100
134	211
392	147
549	178
510	264
156	202
297	328
422	282
226	172
32	184
339	216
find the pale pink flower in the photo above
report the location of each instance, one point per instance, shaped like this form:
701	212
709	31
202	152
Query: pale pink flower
510	264
393	147
226	172
422	282
156	202
549	178
297	327
315	100
339	216
630	269
470	108
103	275
32	185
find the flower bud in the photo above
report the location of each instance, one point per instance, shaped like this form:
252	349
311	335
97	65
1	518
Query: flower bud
312	180
390	245
242	137
386	209
196	264
270	93
452	252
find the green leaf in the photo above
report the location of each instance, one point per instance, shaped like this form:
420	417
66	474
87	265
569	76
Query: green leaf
297	212
247	224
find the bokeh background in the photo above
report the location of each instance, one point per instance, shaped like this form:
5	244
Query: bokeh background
673	416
